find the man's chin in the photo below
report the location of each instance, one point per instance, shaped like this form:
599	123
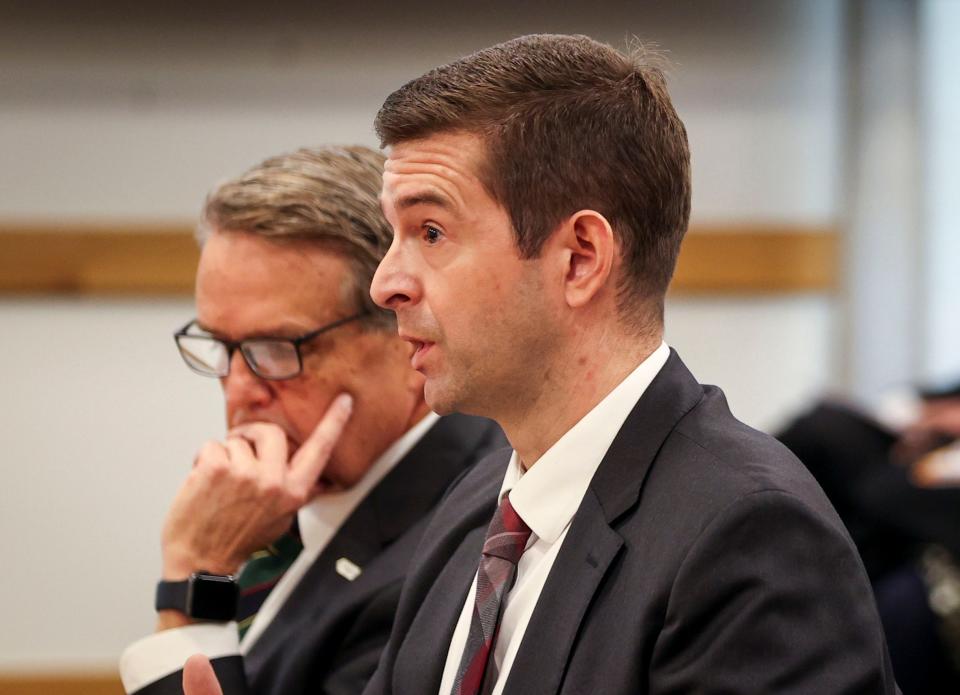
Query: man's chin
440	400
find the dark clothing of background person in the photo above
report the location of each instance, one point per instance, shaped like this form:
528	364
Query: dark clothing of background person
893	522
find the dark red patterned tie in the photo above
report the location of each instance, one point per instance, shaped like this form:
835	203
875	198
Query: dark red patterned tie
506	540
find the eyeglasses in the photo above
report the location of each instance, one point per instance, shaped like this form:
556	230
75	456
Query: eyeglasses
268	358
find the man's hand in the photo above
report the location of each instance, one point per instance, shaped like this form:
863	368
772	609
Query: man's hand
938	425
942	416
199	678
242	494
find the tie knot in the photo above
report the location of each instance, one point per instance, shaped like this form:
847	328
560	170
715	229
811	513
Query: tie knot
508	534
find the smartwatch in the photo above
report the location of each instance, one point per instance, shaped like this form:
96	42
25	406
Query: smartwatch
203	596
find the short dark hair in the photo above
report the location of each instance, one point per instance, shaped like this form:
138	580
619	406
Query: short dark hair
569	123
324	195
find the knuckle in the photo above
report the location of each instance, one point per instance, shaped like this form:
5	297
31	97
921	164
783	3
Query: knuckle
247	476
217	467
271	488
193	477
208	450
296	498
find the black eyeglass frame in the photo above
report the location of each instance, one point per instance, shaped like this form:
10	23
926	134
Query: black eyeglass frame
232	345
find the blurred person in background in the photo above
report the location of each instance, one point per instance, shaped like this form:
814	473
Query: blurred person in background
318	495
893	474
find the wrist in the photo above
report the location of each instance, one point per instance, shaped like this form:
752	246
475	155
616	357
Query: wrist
179	565
203	596
169	619
177	569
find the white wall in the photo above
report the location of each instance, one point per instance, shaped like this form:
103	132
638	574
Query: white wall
107	117
940	22
882	320
770	356
100	422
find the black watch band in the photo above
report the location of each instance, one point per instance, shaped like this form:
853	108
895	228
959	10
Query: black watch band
203	596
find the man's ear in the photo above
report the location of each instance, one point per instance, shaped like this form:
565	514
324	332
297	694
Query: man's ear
590	250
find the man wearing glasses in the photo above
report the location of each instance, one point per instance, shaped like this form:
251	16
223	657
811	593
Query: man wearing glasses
283	555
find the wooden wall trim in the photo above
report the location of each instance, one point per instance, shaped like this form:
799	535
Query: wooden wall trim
61	684
758	260
144	260
97	260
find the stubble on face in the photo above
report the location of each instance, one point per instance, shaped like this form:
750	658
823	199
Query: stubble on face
483	308
503	364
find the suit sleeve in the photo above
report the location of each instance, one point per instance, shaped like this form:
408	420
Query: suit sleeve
771	597
153	665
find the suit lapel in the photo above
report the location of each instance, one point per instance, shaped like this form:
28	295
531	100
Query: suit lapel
592	542
448	568
620	477
422	659
588	550
415	486
401	499
358	541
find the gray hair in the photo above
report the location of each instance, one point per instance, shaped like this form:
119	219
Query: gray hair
327	195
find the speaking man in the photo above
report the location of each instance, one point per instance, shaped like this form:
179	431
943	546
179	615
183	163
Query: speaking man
643	540
328	429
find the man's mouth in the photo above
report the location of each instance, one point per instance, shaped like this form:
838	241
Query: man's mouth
420	350
421	347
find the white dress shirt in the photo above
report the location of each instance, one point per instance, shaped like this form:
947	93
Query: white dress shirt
546	497
164	652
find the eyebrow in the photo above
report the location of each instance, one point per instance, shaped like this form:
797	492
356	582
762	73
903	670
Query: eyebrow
425	198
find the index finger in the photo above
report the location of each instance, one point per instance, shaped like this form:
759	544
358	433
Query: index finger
199	677
312	456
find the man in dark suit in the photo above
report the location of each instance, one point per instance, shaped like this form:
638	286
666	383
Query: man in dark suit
285	321
642	540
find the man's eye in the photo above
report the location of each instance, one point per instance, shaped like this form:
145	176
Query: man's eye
432	235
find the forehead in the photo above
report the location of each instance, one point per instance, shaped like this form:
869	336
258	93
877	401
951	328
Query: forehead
442	169
249	285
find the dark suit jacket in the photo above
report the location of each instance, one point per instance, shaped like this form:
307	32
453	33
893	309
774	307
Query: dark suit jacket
703	559
329	633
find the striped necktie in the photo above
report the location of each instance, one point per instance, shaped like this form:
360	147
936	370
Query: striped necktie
262	572
506	540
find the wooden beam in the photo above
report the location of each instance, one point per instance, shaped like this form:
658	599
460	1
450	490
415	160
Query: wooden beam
757	260
61	684
151	260
97	260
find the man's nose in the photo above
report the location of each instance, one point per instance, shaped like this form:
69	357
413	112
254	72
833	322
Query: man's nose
393	286
242	388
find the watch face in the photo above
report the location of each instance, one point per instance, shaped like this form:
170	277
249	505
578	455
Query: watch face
212	597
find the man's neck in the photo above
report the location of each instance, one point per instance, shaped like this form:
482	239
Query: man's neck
579	379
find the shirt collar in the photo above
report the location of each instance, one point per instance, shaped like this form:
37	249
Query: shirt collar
322	516
547	495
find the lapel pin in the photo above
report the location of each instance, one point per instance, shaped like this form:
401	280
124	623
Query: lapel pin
347	569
